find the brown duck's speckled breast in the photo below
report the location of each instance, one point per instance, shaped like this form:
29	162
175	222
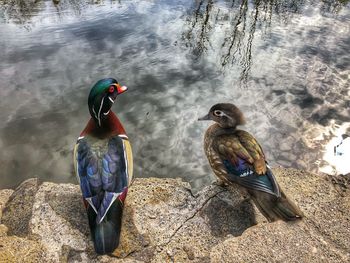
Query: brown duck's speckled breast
211	151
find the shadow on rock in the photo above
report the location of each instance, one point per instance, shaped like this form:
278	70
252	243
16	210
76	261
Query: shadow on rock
131	241
225	219
70	207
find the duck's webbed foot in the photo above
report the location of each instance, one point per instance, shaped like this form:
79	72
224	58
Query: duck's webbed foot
246	198
220	183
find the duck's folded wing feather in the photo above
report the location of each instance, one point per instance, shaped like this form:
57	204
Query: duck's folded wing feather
102	182
239	164
87	172
250	144
115	175
254	149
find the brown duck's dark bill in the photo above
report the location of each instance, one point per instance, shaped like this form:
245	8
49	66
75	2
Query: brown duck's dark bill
205	118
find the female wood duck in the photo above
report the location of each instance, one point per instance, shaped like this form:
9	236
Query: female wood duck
103	165
237	158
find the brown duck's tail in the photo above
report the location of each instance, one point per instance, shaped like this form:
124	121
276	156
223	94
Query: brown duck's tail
276	208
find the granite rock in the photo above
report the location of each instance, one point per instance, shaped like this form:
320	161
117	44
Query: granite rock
165	222
4	197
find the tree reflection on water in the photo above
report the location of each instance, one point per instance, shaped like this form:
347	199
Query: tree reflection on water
238	21
294	61
20	11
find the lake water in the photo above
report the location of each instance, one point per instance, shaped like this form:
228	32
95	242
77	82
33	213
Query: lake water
286	64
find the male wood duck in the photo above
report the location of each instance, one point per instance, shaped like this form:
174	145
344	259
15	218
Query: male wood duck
104	166
237	158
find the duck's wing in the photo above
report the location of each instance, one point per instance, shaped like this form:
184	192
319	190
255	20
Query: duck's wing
254	149
104	176
116	171
86	166
240	161
103	181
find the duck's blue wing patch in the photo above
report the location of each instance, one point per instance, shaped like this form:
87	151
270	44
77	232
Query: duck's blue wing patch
87	170
244	175
113	175
102	180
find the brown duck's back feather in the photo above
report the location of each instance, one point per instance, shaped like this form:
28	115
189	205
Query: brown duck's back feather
231	145
250	143
234	144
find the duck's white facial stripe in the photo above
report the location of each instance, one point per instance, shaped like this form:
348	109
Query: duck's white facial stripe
98	115
99	112
93	110
111	99
224	114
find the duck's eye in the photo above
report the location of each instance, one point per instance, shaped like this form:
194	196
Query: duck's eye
218	113
111	89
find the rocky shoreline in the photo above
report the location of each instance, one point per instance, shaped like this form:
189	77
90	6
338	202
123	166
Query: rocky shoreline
165	222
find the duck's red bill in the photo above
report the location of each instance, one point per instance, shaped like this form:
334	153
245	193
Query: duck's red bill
122	89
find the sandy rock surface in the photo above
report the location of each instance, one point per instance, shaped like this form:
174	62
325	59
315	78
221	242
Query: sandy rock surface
164	222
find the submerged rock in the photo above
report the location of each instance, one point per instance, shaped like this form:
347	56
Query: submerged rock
164	222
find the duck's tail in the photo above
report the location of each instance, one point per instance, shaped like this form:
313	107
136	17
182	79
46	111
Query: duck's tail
276	208
106	234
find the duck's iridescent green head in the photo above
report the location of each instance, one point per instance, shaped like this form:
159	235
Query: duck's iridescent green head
102	97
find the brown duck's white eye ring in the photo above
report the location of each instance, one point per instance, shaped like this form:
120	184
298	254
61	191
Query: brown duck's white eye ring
218	113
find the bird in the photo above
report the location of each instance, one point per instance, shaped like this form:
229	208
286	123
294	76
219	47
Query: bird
237	159
103	165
